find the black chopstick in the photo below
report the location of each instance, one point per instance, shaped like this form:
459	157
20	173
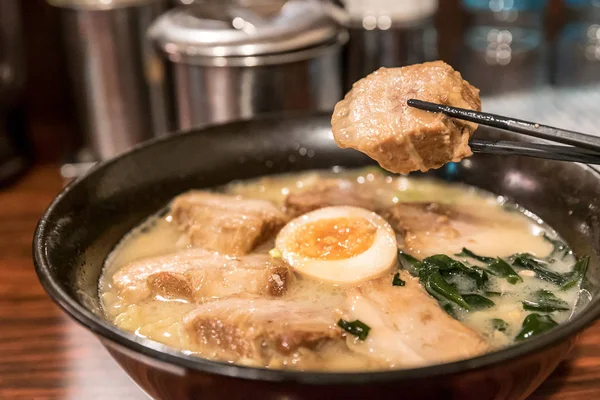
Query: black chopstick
547	151
514	125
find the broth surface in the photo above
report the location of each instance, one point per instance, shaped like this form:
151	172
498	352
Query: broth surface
515	231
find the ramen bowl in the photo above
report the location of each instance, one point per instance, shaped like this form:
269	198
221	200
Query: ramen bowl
90	216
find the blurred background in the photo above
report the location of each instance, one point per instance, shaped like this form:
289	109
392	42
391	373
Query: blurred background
83	80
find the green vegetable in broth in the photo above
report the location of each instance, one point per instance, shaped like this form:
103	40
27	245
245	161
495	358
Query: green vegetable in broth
577	274
447	266
480	276
466	253
565	281
495	266
407	262
356	328
449	310
397	281
559	248
545	301
437	286
500	324
528	262
534	324
502	269
477	301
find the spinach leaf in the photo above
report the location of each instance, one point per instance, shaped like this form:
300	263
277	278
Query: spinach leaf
437	286
408	262
526	261
534	324
545	301
500	324
466	253
501	268
443	263
480	276
447	266
397	281
477	301
559	248
496	266
356	328
577	274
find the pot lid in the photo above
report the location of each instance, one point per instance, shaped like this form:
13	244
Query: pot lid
97	5
225	29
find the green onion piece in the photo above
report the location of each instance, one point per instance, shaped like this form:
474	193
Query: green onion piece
477	301
500	324
545	301
469	254
501	268
577	274
534	324
356	328
397	281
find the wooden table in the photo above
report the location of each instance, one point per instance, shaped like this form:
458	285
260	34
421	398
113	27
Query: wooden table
44	355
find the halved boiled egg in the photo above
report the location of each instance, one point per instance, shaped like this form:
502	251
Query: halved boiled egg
342	245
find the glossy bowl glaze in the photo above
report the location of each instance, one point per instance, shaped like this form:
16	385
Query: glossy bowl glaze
86	220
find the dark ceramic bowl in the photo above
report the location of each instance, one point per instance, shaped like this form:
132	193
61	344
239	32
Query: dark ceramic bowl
85	221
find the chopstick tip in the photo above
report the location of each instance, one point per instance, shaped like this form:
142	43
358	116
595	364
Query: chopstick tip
423	105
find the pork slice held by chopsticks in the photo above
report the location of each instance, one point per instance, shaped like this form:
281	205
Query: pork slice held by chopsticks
375	119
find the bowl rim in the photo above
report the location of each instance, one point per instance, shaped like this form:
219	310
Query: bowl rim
177	359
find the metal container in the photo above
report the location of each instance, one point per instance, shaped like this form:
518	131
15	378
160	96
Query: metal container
233	60
116	75
388	33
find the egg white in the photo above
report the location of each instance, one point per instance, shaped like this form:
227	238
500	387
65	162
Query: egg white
378	259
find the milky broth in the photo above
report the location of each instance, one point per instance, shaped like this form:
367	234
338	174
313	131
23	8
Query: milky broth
160	319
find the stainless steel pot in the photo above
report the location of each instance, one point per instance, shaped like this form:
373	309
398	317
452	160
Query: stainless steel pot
116	75
233	60
388	33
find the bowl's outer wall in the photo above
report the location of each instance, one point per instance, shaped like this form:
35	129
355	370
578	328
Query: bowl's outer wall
510	381
91	217
504	381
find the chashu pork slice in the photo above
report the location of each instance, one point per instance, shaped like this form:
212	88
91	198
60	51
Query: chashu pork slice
200	275
327	193
426	228
224	223
264	331
408	327
375	119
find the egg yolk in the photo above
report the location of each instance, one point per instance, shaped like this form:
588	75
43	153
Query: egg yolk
333	239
